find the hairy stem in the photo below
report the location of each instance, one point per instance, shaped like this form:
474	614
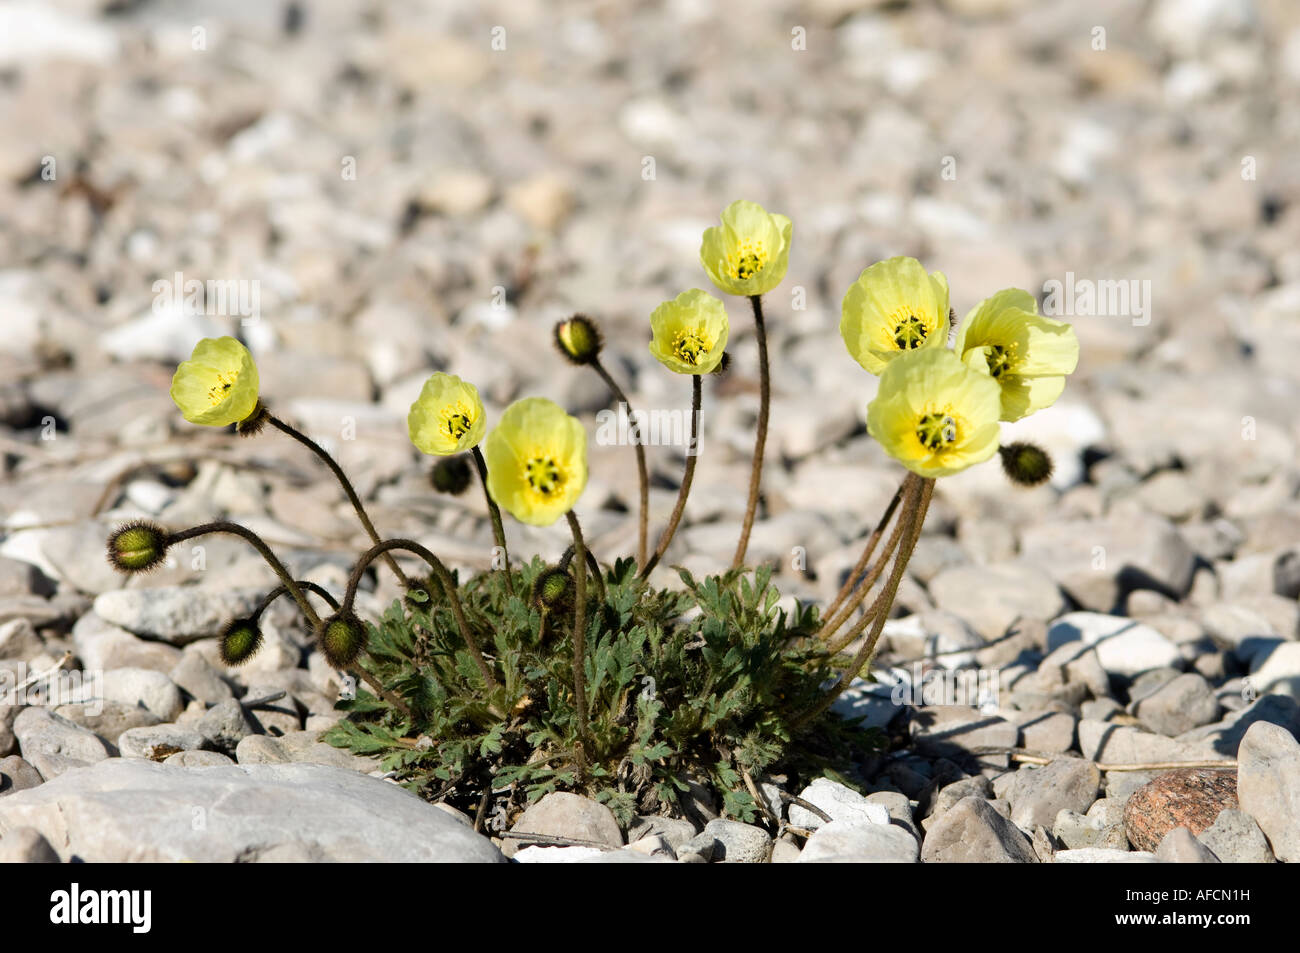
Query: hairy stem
760	438
234	529
915	505
330	462
498	530
580	644
448	584
642	472
692	454
280	590
851	583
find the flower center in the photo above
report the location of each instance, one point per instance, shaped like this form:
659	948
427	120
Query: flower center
689	344
1000	359
457	422
748	259
910	333
543	475
225	381
936	431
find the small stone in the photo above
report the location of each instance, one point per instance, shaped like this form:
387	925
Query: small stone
18	640
840	802
1268	783
854	841
948	796
784	852
17	775
199	679
655	845
676	831
901	810
175	614
141	686
1188	797
197	759
1050	732
52	744
953	731
1184	702
111	718
974	832
738	843
1235	838
26	845
1103	855
992	597
1180	846
700	849
1076	831
224	725
1124	647
158	742
560	814
1039	794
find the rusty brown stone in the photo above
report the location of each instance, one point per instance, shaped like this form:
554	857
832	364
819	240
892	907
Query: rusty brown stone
1188	797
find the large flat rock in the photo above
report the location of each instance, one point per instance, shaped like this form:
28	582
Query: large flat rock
134	810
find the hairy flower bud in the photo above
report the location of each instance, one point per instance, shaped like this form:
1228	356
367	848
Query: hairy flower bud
137	547
553	588
239	641
1025	464
578	339
341	638
452	475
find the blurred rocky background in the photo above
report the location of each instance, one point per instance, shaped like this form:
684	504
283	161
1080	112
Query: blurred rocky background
391	189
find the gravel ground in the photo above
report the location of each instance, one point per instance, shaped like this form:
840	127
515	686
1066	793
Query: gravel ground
401	192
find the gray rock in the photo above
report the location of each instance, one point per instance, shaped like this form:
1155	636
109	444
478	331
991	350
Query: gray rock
52	744
18	640
676	831
224	725
1181	704
858	842
1235	838
1122	744
1268	786
840	802
990	598
738	843
146	687
1277	671
1180	846
948	796
175	614
974	832
1077	831
1124	647
134	810
17	775
784	852
900	810
1050	732
655	845
700	849
1039	794
108	719
197	758
26	845
102	646
300	746
560	814
196	676
158	742
1098	561
1102	855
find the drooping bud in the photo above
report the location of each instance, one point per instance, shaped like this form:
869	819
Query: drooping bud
452	474
1025	464
553	588
240	639
137	547
341	638
578	339
723	365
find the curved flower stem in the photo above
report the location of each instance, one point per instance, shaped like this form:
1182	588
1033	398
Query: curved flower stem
234	529
760	439
498	531
448	584
853	580
330	462
692	453
580	645
392	698
592	565
639	445
916	503
278	591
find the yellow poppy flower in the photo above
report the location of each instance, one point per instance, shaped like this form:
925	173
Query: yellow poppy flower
690	332
749	254
217	386
447	417
1026	353
892	308
934	414
537	461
